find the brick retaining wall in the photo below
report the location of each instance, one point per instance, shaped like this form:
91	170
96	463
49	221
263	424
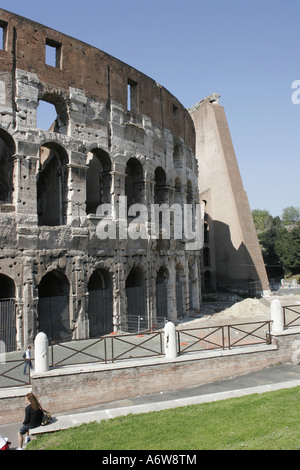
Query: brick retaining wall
72	387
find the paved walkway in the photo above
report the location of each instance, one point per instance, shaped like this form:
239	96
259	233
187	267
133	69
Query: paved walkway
272	378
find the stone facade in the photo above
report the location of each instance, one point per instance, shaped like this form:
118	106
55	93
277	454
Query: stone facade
117	133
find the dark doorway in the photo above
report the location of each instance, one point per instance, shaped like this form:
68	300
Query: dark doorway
100	307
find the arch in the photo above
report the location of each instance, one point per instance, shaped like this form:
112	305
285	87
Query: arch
7	313
53	306
178	191
52	185
179	286
58	123
7	287
191	201
177	155
162	305
193	286
207	280
189	192
206	256
7	150
98	180
161	193
134	182
100	304
136	298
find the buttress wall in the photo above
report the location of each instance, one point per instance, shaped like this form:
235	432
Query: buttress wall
231	253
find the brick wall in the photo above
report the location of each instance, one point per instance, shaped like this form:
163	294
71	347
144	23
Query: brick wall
80	386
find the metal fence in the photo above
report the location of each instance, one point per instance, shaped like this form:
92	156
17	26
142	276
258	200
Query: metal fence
8	323
211	292
107	349
118	347
223	336
139	323
12	370
291	315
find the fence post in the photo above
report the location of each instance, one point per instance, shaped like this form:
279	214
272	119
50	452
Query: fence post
41	347
170	340
276	317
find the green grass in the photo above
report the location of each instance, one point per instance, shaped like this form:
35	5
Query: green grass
261	421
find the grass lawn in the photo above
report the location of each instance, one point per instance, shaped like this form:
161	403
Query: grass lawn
261	421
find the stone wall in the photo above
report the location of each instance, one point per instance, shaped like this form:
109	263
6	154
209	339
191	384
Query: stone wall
99	148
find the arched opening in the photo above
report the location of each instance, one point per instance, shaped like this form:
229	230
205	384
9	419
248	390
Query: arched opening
206	256
193	287
52	185
7	149
100	305
52	114
134	182
161	193
178	197
162	307
207	280
98	180
53	306
136	300
191	202
177	156
180	291
7	313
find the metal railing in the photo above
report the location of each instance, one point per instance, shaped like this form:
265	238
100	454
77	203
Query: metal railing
108	349
223	336
12	374
117	347
291	315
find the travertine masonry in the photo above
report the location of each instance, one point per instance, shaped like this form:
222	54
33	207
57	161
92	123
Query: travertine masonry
63	279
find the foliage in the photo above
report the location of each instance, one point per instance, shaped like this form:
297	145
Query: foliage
287	247
262	220
261	421
279	240
291	215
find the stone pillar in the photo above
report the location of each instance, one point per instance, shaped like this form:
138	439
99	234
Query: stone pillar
41	348
170	341
276	317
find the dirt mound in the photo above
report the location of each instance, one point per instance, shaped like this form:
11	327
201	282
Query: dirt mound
248	310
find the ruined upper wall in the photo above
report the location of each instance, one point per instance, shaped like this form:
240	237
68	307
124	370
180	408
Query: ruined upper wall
79	65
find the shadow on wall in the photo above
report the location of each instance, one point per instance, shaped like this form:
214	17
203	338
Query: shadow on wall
232	266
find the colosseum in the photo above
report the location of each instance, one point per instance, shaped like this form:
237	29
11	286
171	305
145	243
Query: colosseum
116	133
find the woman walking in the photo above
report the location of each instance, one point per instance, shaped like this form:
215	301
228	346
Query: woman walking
33	418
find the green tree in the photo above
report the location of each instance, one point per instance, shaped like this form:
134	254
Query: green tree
262	220
287	248
291	215
267	240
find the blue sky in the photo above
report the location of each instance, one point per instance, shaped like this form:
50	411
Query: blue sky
245	50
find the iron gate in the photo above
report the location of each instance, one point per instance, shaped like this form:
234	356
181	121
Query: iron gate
100	312
53	315
136	307
161	300
179	300
8	324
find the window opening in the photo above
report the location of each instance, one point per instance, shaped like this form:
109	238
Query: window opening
3	29
132	101
46	116
53	53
